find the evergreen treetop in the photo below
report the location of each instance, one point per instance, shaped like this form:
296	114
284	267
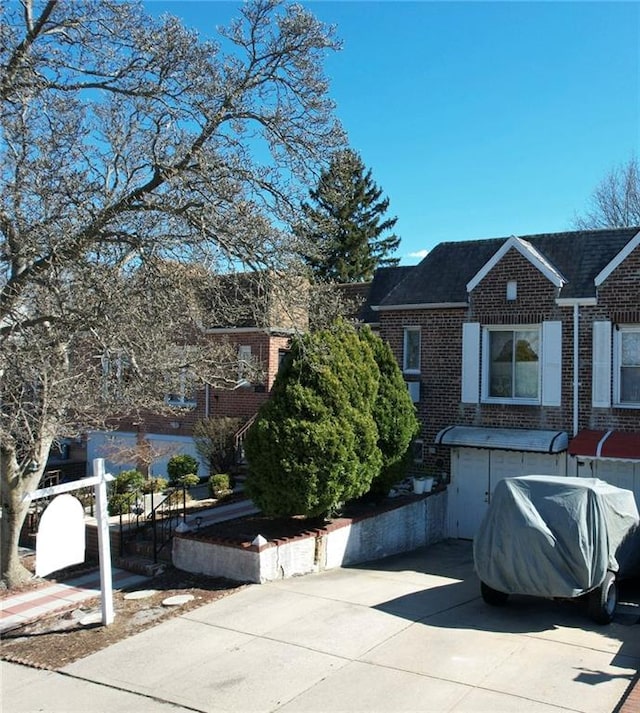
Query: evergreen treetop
345	223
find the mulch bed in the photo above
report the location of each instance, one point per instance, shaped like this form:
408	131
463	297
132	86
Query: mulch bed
245	529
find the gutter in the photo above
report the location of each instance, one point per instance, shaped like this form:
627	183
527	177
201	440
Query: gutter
424	305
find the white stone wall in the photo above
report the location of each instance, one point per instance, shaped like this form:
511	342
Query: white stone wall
419	523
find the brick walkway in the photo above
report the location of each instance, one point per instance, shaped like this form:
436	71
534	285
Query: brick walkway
34	603
631	702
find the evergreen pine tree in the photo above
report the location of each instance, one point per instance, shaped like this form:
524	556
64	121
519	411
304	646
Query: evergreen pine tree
345	224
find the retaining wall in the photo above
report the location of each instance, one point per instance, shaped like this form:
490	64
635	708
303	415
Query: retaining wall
342	542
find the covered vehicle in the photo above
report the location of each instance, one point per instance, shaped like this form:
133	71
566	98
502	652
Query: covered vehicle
558	537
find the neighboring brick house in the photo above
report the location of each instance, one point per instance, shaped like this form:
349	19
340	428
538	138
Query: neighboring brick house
259	332
264	312
522	355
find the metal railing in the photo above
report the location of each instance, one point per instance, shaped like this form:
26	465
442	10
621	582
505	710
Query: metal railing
238	439
139	511
165	517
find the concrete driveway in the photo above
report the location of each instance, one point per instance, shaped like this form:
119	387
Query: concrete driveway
409	633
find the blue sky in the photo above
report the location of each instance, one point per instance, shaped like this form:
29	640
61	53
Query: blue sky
478	119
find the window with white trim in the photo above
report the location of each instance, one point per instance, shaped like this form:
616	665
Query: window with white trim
520	364
512	364
411	350
627	365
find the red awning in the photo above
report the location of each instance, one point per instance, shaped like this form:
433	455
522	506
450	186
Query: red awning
618	445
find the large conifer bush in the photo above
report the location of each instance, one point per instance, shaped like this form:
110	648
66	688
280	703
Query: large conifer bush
314	444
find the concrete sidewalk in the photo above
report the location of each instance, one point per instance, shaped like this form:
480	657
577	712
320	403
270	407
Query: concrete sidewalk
409	633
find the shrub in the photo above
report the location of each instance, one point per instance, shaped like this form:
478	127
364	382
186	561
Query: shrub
394	414
119	503
188	480
128	480
181	465
219	483
155	485
314	443
214	442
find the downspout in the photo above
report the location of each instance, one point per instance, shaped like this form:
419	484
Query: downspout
576	369
206	400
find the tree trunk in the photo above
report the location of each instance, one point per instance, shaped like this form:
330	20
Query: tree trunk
13	486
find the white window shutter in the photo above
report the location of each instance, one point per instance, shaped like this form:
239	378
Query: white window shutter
470	362
551	363
601	360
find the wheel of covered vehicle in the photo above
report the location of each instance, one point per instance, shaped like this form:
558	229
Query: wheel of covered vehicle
493	596
603	600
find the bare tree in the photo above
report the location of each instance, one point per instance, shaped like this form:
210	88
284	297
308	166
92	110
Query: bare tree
138	163
615	202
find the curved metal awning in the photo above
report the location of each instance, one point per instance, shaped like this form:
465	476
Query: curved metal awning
606	445
507	439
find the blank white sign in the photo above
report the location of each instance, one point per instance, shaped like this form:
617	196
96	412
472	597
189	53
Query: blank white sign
60	541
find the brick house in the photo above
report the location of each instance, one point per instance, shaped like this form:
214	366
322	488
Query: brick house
258	332
262	312
522	356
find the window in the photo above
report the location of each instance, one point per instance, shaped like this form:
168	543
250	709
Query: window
282	355
521	365
116	373
417	450
628	365
513	364
184	394
411	358
244	365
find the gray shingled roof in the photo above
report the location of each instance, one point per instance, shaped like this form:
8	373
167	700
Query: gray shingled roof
443	275
384	280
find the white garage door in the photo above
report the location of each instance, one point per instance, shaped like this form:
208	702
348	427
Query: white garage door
474	475
621	474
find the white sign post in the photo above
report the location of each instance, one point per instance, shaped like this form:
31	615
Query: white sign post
99	480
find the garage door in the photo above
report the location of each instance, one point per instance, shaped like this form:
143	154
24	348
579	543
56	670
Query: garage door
475	473
621	474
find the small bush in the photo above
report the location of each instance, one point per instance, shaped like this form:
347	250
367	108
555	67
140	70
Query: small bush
214	439
155	485
129	480
219	483
181	465
119	504
188	480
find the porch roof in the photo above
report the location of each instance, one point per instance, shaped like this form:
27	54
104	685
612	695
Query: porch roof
606	445
509	439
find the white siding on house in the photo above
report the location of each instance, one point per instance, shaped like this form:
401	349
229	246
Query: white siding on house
102	444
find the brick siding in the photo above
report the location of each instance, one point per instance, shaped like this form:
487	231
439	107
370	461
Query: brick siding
441	349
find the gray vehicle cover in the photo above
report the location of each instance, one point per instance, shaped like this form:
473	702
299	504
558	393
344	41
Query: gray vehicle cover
554	536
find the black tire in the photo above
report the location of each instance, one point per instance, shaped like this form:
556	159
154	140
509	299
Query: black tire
603	600
493	596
